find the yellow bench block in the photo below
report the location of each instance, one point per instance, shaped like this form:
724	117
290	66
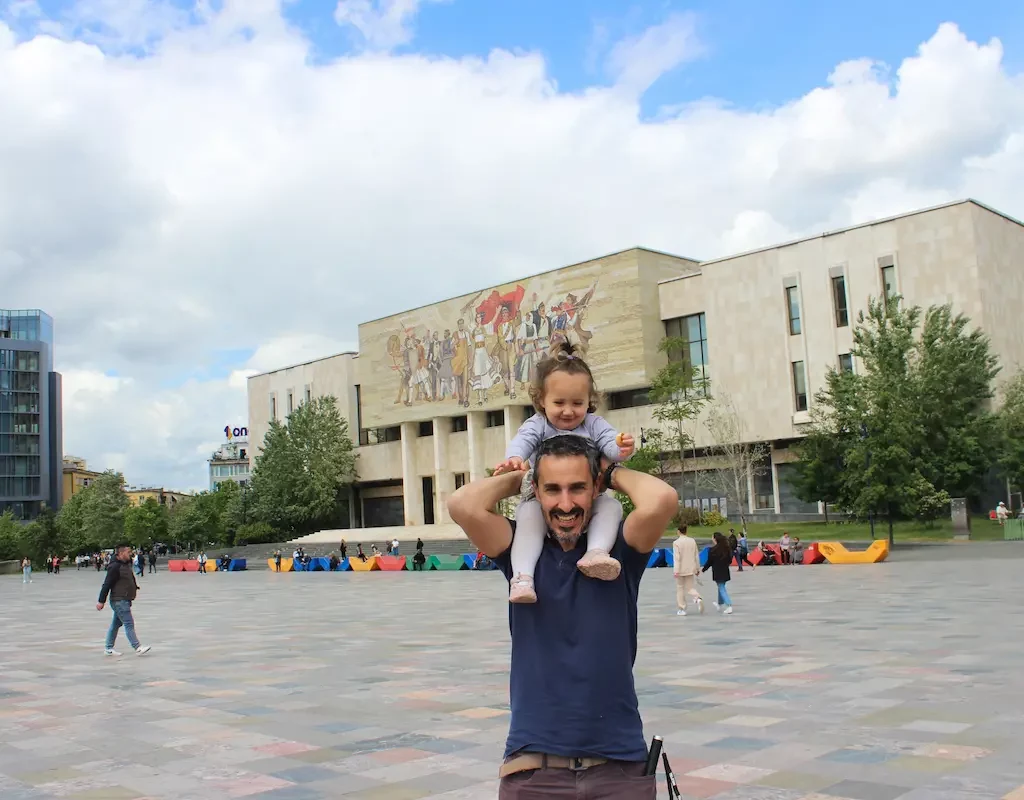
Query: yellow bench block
836	553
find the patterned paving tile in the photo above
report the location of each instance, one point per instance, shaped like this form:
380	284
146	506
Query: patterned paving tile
873	683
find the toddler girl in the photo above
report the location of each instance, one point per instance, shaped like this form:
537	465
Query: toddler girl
565	398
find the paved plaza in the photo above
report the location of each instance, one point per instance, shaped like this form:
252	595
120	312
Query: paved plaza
899	680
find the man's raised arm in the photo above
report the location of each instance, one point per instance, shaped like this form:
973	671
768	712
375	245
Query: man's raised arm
472	506
655	503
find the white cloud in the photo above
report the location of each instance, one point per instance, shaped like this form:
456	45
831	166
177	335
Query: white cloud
382	24
638	61
225	204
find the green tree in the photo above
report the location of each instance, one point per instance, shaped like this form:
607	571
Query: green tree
679	393
103	507
300	476
146	523
196	521
908	425
954	372
70	526
230	503
818	475
11	544
1011	431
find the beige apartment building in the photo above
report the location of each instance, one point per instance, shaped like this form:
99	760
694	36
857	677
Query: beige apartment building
435	393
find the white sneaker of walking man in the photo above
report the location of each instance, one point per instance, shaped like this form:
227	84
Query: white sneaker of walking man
121	587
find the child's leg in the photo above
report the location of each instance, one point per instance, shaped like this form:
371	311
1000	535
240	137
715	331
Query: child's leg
601	536
526	547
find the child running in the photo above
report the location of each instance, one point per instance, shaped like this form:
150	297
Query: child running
564	395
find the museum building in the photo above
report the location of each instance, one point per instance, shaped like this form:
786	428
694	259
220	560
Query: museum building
436	393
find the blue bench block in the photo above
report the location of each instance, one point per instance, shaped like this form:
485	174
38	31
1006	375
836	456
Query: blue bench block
470	559
657	558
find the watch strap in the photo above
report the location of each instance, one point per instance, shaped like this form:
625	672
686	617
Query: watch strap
608	475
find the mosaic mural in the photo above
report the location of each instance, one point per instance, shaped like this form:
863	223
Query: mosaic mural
480	350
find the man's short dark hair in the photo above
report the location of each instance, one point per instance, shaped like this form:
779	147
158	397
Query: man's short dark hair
568	445
122	546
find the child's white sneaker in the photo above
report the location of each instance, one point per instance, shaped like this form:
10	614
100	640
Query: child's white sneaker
598	564
521	590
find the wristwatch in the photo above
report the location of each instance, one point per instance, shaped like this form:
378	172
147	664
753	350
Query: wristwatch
608	475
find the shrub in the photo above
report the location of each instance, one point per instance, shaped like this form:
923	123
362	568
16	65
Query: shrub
687	516
714	519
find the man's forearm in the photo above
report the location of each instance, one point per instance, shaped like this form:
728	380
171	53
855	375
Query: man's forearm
654	501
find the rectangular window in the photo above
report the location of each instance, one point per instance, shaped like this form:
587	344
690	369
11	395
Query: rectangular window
460	480
846	362
839	301
273	407
460	424
630	398
888	268
427	428
889	281
692	330
799	386
370	436
793	304
291	402
764	501
494	419
309	393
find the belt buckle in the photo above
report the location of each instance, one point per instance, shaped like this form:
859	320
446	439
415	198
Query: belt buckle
576	765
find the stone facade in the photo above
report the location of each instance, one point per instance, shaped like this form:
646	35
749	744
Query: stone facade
434	412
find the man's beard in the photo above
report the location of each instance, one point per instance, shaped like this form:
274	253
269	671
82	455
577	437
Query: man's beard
576	517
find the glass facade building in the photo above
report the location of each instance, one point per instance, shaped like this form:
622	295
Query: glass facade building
31	440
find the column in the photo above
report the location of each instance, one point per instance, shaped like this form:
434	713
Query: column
513	419
775	488
444	481
412	484
475	421
750	488
352	499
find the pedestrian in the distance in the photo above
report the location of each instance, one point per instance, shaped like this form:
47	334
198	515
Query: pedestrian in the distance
719	559
26	570
152	561
202	561
686	567
120	585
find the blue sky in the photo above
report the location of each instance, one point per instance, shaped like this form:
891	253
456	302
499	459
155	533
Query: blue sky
757	53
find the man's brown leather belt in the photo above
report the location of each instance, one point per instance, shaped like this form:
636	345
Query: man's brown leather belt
525	761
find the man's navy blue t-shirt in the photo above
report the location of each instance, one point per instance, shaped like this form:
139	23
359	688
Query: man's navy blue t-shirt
571	681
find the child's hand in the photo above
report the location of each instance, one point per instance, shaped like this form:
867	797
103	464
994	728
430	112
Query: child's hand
514	464
627	444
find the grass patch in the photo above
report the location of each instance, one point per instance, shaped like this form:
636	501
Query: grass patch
982	529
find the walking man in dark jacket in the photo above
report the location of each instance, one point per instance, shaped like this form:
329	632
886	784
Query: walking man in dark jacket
120	585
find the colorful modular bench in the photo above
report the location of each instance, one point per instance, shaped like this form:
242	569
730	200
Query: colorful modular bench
381	564
814	553
191	565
